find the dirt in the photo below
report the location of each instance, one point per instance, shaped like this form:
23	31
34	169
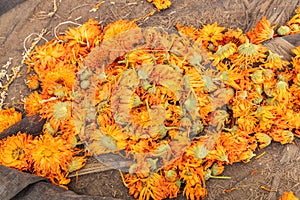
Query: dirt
278	169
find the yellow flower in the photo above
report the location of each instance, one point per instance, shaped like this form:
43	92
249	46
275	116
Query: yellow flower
230	75
32	103
116	133
211	33
50	157
296	51
118	27
14	151
139	57
9	117
266	116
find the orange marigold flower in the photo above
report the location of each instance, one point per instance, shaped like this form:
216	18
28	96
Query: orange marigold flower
56	112
234	36
116	133
9	117
161	4
59	81
32	103
247	122
32	82
261	32
14	151
211	33
288	196
248	54
89	34
50	157
239	146
266	116
118	27
189	31
48	55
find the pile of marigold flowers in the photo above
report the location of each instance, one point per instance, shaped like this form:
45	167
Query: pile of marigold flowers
179	106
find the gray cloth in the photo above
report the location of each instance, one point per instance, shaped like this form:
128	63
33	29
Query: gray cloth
18	185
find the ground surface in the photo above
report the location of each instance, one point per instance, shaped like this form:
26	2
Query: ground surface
277	170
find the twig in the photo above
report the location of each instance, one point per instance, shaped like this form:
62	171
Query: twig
42	14
40	36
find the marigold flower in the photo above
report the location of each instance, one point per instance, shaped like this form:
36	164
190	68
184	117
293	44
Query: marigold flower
9	117
48	55
248	54
234	36
296	51
211	33
239	146
275	62
50	157
247	122
59	81
32	82
224	52
14	151
282	136
89	34
118	27
217	168
266	116
32	103
261	32
56	112
189	31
